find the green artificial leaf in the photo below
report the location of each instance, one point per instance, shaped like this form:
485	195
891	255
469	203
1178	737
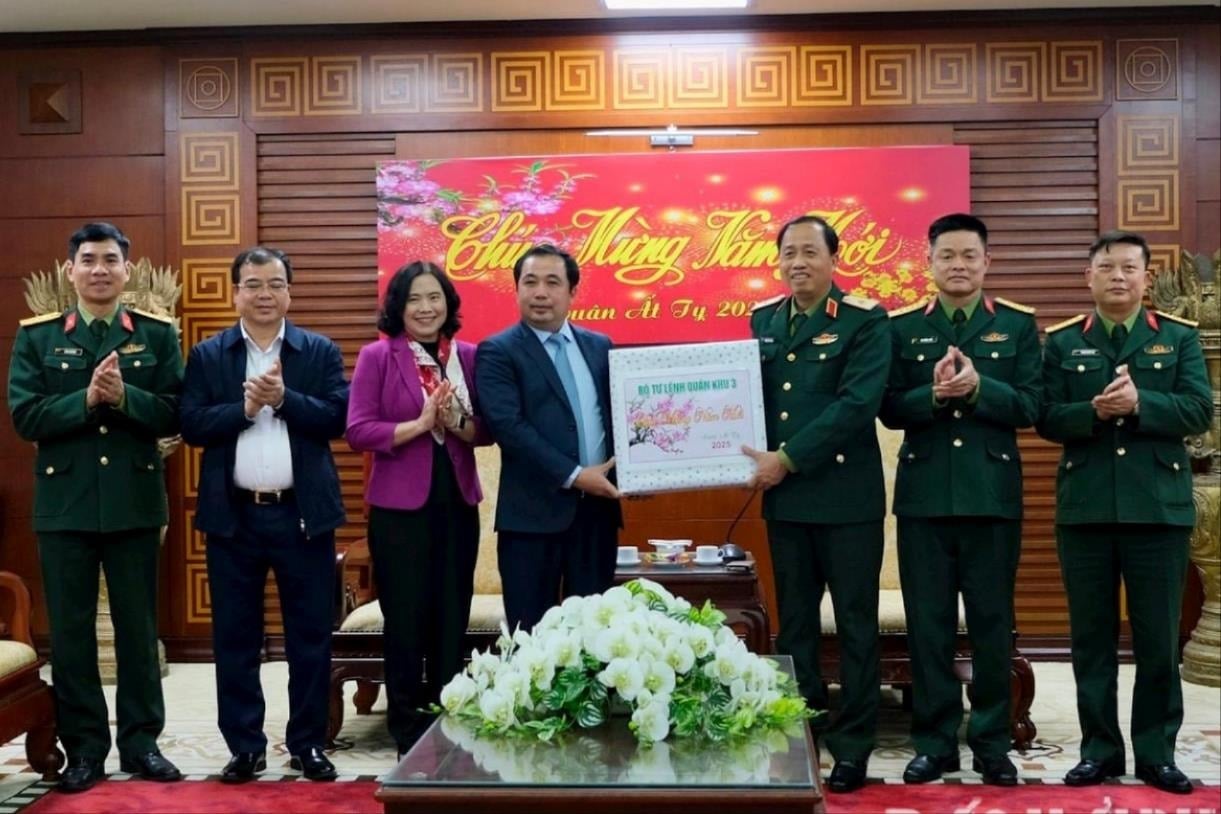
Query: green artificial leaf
591	714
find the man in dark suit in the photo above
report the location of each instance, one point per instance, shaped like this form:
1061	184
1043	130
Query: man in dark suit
1123	385
264	399
545	389
94	387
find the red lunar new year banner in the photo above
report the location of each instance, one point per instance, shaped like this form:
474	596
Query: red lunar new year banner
673	247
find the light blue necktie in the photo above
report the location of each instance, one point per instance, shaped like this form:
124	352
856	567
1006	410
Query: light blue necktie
564	368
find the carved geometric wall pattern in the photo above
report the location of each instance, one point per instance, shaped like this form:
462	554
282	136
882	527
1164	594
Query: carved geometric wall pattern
209	218
1149	202
455	83
641	79
334	87
699	78
207	88
195	548
764	75
888	74
49	102
199	607
209	160
1014	70
205	284
277	86
578	81
1162	256
398	83
1073	72
519	80
190	473
824	76
1146	69
948	74
196	327
1147	143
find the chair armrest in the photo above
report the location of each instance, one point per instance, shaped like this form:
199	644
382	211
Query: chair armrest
15	623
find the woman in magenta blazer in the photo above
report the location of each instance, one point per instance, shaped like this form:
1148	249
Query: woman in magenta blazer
413	405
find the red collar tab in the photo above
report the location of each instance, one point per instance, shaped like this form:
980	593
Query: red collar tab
1089	323
832	308
125	321
70	322
1151	318
988	306
932	303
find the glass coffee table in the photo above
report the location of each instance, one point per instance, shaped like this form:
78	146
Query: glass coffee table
450	769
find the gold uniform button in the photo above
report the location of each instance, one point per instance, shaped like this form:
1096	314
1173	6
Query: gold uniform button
1119	421
995	355
50	470
1157	365
102	430
792	357
958	414
104	461
1004	456
1176	466
1080	368
63	365
1068	465
920	357
136	363
1121	451
787	386
822	356
839	459
957	442
784	416
151	467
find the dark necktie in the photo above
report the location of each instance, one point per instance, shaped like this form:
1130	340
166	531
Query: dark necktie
960	323
98	328
796	322
1119	335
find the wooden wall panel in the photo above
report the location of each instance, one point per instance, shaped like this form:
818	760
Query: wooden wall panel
122	186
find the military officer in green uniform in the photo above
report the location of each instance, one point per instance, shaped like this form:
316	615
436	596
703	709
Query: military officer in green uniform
94	387
1122	387
824	365
964	378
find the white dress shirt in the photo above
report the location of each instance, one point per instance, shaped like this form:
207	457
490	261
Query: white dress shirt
264	458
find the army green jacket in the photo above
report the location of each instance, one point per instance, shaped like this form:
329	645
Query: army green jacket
821	392
961	458
1128	469
96	470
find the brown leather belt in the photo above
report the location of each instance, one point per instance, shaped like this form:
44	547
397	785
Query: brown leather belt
270	497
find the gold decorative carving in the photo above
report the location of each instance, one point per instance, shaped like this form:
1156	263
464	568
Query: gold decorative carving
578	81
398	83
195	549
277	86
888	74
209	160
764	75
456	83
199	604
196	327
206	284
948	74
1147	143
1014	70
518	80
699	78
191	470
1162	256
1146	69
641	77
1073	72
210	218
335	86
207	88
1149	202
824	76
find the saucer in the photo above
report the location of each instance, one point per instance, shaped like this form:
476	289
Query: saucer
628	562
707	563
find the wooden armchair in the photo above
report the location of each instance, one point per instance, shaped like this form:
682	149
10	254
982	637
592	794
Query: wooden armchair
26	703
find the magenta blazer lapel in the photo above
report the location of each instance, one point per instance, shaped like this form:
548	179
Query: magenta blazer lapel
404	360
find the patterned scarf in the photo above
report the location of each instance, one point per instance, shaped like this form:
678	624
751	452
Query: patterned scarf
431	378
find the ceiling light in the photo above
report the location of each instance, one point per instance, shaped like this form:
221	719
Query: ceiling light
663	5
674	131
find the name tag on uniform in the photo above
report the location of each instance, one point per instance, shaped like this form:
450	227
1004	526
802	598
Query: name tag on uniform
131	348
1159	350
925	340
994	337
1085	351
824	339
68	352
766	340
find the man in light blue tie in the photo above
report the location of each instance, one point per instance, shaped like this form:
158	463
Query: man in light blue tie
545	389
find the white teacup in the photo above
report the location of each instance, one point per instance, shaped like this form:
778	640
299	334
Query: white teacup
707	554
628	555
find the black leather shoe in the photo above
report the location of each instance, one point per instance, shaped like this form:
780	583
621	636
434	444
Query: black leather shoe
314	765
927	768
847	775
243	767
1092	772
81	774
996	771
1166	777
150	766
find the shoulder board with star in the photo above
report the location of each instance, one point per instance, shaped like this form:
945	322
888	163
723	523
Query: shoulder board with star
908	309
1060	325
1016	306
151	315
1190	323
765	303
863	303
40	319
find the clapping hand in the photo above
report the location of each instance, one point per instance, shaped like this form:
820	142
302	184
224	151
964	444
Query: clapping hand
264	390
435	404
954	376
1119	398
106	386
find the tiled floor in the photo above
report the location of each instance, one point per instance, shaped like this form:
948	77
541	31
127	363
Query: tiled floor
192	741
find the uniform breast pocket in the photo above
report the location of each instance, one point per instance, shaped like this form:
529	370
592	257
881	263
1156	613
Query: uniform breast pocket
918	361
1071	479
1173	476
994	358
768	351
138	367
822	367
64	374
1154	371
1086	376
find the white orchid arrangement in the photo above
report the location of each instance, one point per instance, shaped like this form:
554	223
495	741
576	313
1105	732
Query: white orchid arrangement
677	669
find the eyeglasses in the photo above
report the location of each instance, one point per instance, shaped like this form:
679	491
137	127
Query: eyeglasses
255	286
